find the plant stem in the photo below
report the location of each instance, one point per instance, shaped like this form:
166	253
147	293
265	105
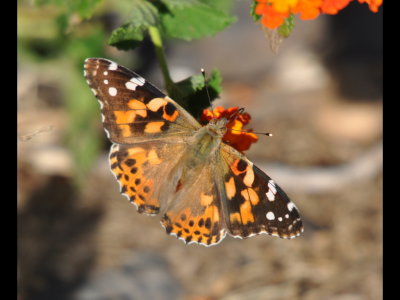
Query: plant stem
158	46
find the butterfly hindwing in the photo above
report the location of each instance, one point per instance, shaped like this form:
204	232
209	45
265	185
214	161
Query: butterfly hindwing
142	169
194	212
254	202
132	108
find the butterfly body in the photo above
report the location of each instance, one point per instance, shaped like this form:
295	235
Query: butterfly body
206	141
167	163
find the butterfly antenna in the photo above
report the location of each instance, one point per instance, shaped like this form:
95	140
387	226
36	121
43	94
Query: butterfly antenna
206	86
236	115
260	133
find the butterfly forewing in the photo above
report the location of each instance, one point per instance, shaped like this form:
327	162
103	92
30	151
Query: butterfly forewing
132	108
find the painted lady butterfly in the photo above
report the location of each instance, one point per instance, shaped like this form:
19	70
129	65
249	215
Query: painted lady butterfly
167	163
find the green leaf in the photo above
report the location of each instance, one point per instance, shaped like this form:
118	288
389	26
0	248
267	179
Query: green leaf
143	14
222	5
48	2
172	4
126	37
287	27
129	35
191	92
256	17
194	22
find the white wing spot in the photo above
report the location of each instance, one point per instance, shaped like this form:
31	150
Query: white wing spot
94	92
287	216
101	104
280	219
138	80
107	133
290	206
113	66
94	72
131	86
105	81
270	195
112	91
270	215
105	73
271	185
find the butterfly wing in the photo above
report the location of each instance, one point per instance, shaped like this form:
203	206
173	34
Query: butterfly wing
145	172
147	127
253	202
133	109
193	213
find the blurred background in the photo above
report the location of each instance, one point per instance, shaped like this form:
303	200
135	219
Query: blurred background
320	96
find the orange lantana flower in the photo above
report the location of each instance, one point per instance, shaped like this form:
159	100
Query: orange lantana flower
235	136
332	7
270	17
283	5
308	9
373	4
274	12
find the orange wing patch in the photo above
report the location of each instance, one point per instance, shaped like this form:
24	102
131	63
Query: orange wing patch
203	227
138	106
154	127
230	188
169	111
124	117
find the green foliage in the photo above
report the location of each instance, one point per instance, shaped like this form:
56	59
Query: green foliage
84	8
194	22
191	92
130	35
256	17
83	138
179	4
46	43
182	19
143	14
286	28
126	37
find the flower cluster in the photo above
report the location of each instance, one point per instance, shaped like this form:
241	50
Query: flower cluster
274	12
235	136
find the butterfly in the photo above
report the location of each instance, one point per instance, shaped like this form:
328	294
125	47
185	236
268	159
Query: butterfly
168	164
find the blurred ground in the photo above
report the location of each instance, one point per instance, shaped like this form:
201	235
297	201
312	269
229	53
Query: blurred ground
94	245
